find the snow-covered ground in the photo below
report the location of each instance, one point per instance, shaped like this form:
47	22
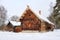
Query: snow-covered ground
55	35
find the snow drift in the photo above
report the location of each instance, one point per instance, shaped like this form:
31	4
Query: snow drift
55	35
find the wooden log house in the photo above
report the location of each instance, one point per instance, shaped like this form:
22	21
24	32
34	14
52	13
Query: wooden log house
30	21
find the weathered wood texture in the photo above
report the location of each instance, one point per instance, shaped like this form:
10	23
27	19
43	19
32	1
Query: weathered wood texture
30	21
8	27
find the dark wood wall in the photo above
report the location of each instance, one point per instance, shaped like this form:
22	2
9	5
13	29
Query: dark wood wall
30	21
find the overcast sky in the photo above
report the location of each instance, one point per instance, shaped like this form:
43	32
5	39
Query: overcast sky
17	7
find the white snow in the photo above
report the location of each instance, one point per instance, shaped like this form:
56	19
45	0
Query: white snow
14	23
55	35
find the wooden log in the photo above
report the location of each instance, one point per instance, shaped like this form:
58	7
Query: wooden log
17	29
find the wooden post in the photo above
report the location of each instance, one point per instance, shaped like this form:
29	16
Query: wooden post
43	26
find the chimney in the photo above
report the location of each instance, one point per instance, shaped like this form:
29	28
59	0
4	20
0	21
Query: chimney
40	12
27	7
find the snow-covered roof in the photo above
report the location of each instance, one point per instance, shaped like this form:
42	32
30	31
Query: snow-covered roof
14	23
43	18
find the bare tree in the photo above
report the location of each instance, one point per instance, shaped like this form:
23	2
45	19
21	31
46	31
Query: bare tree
14	18
2	15
51	12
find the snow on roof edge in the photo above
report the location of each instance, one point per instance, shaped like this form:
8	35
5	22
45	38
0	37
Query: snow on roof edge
42	18
14	23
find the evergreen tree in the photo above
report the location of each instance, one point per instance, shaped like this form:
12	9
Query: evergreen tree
55	16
